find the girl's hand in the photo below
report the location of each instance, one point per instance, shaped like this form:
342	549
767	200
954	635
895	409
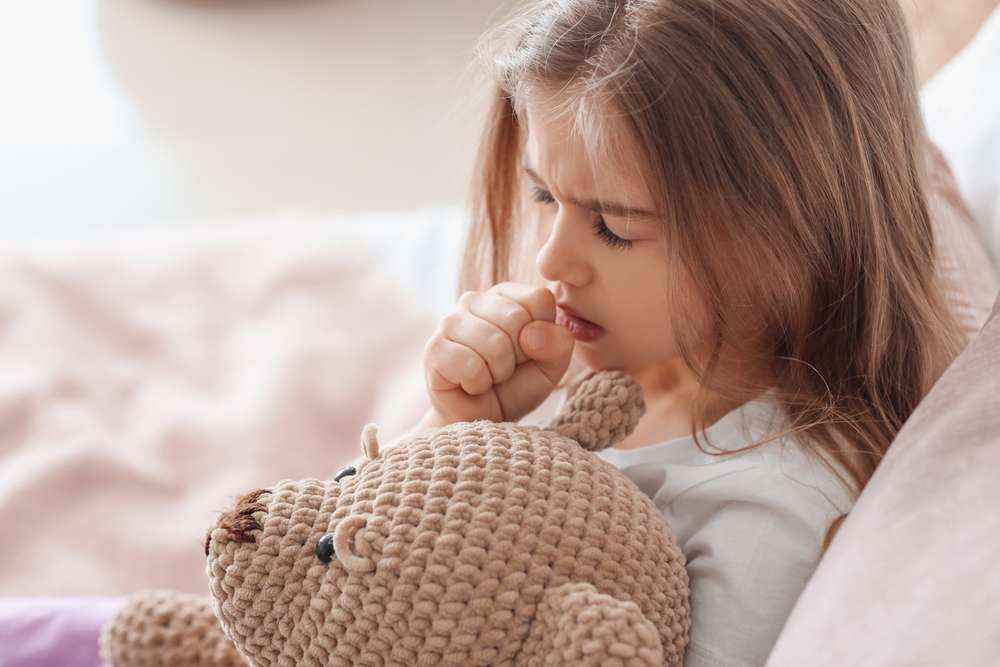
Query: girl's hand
497	356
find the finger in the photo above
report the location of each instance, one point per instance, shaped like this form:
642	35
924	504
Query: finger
452	365
506	314
550	346
534	380
488	340
538	301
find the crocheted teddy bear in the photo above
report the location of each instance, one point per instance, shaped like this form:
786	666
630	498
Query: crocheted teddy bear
483	543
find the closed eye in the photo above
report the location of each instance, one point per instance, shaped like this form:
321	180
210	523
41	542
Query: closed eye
543	196
600	227
609	236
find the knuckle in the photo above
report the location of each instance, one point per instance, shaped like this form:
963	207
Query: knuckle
541	296
451	321
474	367
431	345
515	318
502	286
497	345
432	354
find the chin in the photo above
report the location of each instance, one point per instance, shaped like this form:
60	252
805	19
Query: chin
594	357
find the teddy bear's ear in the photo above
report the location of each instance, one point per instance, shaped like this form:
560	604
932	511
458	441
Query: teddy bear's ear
369	441
603	410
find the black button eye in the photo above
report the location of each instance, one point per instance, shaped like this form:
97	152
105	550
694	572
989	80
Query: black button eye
344	472
324	550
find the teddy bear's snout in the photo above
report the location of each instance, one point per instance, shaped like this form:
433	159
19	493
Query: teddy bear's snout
351	546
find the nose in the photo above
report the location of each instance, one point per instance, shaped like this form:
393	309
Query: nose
357	558
559	258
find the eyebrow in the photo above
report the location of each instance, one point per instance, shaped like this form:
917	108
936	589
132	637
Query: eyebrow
604	207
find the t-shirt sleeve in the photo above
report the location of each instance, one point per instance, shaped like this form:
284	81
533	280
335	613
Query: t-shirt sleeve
752	539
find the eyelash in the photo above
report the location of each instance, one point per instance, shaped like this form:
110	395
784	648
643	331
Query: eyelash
600	228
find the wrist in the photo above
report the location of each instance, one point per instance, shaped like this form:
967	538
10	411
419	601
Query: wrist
431	420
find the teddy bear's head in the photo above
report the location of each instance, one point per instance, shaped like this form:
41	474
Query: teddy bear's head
481	544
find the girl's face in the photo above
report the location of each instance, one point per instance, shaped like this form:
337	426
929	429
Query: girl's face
600	251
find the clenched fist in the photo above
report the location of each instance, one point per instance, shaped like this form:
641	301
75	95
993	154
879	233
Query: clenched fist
497	356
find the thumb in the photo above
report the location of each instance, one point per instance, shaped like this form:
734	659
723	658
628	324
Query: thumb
550	346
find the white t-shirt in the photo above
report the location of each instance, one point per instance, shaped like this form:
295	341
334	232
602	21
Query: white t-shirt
751	526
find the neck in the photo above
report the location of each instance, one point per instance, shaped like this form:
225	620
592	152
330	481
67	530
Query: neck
670	388
669	377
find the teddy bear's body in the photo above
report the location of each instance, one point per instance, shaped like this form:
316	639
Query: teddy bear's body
482	544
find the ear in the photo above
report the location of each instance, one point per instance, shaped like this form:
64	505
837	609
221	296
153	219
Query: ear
575	624
603	410
369	441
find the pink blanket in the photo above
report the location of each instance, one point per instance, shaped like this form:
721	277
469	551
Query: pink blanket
146	383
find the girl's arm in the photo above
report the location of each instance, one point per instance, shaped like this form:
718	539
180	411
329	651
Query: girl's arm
430	422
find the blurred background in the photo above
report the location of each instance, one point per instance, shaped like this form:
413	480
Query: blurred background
131	113
145	112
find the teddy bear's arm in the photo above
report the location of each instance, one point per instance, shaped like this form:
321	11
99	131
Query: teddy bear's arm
577	625
167	629
604	408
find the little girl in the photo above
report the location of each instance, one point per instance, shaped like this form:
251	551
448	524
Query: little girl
724	198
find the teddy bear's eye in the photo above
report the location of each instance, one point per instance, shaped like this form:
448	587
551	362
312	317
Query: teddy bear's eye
324	549
344	472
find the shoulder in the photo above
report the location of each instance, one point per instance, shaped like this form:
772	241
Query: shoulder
781	475
752	539
754	510
777	495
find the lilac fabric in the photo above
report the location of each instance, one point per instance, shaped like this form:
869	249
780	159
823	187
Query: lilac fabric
53	631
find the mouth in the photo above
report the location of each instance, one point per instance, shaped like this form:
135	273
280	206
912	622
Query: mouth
583	330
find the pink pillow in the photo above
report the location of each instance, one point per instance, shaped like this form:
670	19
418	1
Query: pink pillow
911	577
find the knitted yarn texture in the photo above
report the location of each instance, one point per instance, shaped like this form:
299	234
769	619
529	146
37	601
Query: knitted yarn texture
159	628
483	543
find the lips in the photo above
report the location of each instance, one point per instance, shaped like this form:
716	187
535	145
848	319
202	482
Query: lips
572	313
582	329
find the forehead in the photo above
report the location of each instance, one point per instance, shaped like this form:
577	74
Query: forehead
582	152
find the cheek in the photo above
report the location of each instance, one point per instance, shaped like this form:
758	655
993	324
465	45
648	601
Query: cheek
642	308
658	299
643	278
652	318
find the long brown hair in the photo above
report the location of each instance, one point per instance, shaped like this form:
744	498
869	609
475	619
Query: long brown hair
786	152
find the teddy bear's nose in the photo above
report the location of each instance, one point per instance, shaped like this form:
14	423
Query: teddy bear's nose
349	545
